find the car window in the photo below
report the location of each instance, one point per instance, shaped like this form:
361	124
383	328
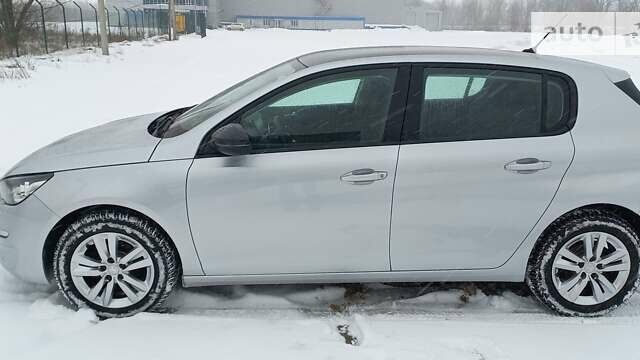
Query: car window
452	87
338	110
473	104
209	108
339	92
558	103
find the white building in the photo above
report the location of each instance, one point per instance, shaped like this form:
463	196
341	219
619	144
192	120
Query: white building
324	14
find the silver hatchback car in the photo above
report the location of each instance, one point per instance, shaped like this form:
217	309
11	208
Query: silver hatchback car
389	164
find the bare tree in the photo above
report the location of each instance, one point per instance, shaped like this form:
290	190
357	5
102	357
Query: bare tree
472	13
599	5
494	14
629	5
517	15
13	17
325	7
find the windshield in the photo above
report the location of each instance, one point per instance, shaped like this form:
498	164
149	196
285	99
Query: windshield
207	109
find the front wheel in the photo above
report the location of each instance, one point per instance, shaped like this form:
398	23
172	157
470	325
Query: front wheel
115	263
587	265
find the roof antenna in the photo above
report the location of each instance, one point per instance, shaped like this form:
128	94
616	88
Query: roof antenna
533	50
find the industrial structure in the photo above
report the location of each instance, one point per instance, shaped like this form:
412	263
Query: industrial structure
324	14
191	15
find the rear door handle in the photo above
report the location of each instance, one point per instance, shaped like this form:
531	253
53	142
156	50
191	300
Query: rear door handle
364	176
527	165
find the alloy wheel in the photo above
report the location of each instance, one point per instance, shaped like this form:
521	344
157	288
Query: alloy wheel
591	268
112	270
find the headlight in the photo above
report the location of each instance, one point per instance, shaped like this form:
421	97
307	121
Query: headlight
16	189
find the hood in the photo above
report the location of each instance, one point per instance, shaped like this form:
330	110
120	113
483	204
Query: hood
118	142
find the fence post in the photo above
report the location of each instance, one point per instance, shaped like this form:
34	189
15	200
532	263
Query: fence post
97	26
81	22
135	22
119	22
153	22
108	20
144	35
128	22
64	19
44	29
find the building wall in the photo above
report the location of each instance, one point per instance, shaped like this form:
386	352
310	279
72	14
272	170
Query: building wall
397	12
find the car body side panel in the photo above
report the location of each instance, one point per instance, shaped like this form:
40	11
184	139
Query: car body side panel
290	212
607	120
456	207
154	189
118	142
606	165
25	228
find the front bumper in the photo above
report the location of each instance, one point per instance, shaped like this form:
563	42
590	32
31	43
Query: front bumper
23	231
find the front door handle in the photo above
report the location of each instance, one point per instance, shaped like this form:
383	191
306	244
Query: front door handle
527	165
363	176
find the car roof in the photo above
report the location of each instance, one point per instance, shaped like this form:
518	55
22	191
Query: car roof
327	56
516	57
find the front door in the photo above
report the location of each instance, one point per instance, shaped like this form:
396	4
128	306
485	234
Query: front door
484	151
315	194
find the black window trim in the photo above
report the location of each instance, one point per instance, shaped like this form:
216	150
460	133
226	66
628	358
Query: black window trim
393	128
628	87
416	98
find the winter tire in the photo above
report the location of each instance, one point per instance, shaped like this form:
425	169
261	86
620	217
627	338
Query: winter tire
116	263
586	264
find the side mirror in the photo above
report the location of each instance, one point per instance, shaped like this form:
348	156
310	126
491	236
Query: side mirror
232	139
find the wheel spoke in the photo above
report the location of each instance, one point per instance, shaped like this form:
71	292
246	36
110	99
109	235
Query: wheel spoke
587	239
598	292
566	265
136	283
112	244
574	291
108	293
144	263
85	261
133	254
616	255
131	295
617	267
85	271
608	287
602	244
95	291
101	246
566	253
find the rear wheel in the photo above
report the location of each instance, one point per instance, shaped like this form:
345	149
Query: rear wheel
587	265
115	263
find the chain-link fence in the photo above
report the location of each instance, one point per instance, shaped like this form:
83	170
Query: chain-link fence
53	25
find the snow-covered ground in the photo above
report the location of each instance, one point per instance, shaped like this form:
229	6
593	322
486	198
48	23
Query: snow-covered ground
67	91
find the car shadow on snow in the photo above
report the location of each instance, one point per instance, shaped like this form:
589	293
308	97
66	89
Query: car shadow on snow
375	298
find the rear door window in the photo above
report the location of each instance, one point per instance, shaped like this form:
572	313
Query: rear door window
459	104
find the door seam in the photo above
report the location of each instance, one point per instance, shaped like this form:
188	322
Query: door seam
186	205
395	173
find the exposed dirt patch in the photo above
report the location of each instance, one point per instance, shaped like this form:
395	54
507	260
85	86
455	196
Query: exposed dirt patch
349	338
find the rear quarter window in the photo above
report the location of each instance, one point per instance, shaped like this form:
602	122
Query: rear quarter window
629	88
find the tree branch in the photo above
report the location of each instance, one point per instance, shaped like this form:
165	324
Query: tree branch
22	17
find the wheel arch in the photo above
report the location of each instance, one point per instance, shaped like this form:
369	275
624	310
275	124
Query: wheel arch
623	212
58	229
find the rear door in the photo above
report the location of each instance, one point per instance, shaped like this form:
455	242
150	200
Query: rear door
484	151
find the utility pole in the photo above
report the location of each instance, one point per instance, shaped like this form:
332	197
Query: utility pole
104	36
173	35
